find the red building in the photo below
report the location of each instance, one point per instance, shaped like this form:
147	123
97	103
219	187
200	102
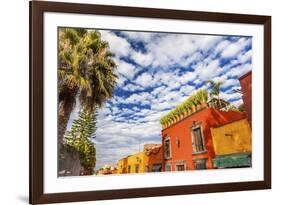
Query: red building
246	87
188	143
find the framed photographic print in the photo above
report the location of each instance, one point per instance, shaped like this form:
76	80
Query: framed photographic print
139	102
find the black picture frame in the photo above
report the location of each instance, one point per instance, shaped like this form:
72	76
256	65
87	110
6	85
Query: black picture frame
37	9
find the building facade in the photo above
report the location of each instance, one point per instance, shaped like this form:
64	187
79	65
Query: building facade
188	144
232	144
149	160
246	88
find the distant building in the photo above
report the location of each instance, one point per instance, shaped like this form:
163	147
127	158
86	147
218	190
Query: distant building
107	169
188	142
246	87
149	160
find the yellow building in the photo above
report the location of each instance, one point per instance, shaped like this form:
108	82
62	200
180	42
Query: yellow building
150	160
232	144
132	164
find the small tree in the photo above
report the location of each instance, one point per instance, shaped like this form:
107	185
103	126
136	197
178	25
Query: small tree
78	139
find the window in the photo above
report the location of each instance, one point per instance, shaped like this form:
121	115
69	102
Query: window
180	167
197	140
167	148
129	169
168	168
137	168
157	168
200	164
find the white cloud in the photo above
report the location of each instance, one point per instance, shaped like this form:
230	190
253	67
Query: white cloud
158	90
230	82
143	59
240	70
197	81
140	36
242	58
236	103
222	45
137	98
192	58
230	96
118	45
128	70
186	90
207	42
208	71
144	80
121	80
187	77
175	49
234	48
132	87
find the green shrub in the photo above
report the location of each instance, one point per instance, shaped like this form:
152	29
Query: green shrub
200	97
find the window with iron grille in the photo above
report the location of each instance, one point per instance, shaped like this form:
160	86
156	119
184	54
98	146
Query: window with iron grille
197	140
167	148
180	167
200	164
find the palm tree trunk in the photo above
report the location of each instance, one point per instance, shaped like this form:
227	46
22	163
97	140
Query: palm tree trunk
65	109
66	106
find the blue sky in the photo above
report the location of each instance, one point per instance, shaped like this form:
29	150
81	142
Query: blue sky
156	72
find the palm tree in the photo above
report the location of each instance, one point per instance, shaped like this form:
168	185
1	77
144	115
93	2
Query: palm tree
86	72
215	89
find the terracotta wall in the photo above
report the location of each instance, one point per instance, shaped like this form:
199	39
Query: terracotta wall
246	86
156	158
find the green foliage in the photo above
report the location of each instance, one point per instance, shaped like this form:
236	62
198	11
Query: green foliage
215	88
201	96
86	66
78	139
86	71
233	108
241	108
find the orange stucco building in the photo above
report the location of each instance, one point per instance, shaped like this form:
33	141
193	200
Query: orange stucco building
187	144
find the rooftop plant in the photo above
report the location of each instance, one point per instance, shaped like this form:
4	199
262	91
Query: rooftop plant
200	97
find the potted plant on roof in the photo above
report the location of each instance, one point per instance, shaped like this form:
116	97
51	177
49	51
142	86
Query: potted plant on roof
170	117
190	105
174	116
203	98
193	102
177	113
182	110
163	122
